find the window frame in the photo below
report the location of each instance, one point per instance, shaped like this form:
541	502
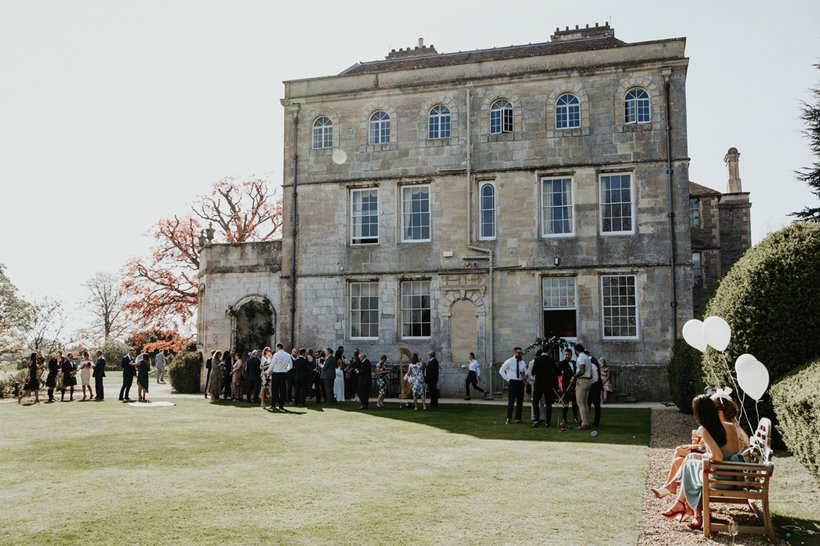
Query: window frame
635	306
493	211
544	207
354	241
636	105
697	266
503	110
351	311
378	129
404	215
694	212
569	111
324	133
602	204
545	308
429	309
443	122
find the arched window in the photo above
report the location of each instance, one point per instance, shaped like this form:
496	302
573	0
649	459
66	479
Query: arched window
438	122
379	128
322	133
637	106
487	212
567	112
501	117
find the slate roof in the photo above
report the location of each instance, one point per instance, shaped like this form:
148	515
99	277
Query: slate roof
696	190
484	55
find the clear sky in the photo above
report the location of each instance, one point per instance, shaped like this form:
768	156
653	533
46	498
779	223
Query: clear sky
114	114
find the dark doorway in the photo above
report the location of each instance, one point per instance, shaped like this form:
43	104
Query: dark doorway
254	326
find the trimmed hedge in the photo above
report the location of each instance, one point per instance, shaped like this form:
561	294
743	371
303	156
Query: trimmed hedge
184	372
797	407
113	351
770	299
685	375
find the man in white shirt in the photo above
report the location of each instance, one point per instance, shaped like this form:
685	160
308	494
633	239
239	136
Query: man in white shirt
514	371
159	362
582	381
472	376
278	370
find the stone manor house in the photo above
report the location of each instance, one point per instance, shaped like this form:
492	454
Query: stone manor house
475	201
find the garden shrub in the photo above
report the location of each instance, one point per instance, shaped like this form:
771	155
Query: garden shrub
113	351
797	407
770	299
185	370
685	375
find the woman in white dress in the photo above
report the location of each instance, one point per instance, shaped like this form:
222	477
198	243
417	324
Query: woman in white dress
339	382
85	374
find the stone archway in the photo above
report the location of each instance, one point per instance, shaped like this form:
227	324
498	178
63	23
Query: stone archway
463	329
254	325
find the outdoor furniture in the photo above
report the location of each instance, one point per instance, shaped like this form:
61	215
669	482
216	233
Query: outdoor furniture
741	483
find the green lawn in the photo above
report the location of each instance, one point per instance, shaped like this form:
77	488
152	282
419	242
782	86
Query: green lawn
203	473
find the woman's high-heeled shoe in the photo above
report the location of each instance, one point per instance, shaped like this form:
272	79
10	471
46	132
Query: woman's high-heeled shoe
696	524
661	492
672	513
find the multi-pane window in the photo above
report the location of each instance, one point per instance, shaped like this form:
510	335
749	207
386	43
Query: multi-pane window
619	306
487	211
364	216
560	309
322	133
415	309
694	212
616	203
438	122
697	269
501	117
364	310
567	112
556	206
637	106
415	213
379	128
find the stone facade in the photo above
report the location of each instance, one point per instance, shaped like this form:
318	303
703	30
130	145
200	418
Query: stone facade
455	287
721	230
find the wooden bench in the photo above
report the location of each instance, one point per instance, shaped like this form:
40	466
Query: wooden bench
741	483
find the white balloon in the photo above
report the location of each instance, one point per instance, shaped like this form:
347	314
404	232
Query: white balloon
743	358
693	334
717	333
753	377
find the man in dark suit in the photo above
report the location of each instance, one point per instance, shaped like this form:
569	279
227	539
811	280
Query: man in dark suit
226	374
301	377
545	382
128	370
431	378
99	373
329	376
365	373
253	373
567	369
208	365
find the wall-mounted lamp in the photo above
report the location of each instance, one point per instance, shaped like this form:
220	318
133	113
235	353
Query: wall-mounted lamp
556	261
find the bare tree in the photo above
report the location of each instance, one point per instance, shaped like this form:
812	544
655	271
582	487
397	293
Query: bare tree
104	302
15	314
46	325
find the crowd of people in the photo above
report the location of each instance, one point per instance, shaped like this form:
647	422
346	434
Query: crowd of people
719	437
580	383
61	375
324	375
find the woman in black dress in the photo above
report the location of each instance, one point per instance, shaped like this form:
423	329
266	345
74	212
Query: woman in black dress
33	383
51	378
69	377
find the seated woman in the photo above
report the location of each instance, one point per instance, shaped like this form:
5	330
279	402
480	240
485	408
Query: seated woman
728	412
720	443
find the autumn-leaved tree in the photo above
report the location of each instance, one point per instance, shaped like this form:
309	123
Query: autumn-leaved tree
161	289
811	175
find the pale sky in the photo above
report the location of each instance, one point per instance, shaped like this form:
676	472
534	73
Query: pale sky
114	114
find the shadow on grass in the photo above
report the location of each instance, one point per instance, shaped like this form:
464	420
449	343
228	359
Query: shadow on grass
619	426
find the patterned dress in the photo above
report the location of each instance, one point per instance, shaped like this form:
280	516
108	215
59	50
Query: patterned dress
418	379
381	379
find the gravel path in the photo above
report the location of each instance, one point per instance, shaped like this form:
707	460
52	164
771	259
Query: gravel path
669	429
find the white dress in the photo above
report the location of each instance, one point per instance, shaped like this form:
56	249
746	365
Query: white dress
339	385
85	372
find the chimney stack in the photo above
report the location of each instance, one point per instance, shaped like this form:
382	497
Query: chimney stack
732	160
